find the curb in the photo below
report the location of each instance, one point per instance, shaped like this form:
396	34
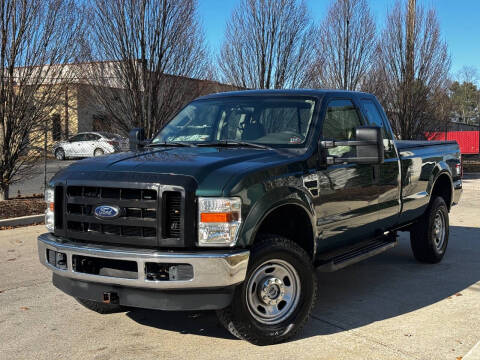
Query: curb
23	220
474	353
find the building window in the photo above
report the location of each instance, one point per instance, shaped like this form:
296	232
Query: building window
56	128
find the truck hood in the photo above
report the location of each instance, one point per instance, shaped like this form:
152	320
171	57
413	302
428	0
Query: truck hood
211	167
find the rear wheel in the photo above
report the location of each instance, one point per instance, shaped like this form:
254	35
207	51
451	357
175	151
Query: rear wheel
101	308
60	154
98	152
277	296
429	237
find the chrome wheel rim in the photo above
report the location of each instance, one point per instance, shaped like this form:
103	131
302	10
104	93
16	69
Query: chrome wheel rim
98	153
273	292
438	232
59	154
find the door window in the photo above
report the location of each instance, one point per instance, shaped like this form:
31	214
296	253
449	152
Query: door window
92	137
340	123
78	137
56	127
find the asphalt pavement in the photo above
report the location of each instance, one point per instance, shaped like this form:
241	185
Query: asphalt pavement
387	307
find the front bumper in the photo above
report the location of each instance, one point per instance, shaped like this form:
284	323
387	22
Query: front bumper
212	269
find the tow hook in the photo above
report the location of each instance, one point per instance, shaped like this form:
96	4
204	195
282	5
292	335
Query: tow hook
110	298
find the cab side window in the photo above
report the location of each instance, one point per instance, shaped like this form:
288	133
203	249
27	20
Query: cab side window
374	117
340	123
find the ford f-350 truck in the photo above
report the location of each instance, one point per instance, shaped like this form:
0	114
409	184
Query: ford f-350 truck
237	200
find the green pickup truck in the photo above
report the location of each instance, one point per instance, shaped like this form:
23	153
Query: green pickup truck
237	200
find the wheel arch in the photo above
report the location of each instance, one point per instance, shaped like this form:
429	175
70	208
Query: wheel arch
292	217
442	185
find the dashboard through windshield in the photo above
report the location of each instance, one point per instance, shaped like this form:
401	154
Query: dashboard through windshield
276	120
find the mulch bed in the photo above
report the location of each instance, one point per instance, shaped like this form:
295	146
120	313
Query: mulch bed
21	207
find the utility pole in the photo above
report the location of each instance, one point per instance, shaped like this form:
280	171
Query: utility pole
410	65
346	12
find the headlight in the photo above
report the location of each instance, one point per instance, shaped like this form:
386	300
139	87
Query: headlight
49	213
218	221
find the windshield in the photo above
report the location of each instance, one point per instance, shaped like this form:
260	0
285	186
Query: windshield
276	120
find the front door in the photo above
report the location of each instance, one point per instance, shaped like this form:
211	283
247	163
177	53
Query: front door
345	206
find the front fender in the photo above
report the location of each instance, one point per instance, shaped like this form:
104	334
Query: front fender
269	202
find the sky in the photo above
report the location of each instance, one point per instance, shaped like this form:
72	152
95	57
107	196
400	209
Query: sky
459	23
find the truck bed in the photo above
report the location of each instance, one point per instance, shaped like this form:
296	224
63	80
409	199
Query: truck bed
408	144
420	161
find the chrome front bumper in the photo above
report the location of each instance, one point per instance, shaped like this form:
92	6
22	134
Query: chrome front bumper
211	269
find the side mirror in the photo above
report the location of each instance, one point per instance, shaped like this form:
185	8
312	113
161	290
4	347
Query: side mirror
369	144
136	139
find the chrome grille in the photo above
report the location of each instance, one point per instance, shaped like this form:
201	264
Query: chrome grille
136	224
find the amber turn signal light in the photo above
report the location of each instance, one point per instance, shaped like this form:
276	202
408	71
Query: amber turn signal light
218	217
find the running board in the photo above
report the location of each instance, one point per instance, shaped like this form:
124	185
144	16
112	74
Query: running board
356	254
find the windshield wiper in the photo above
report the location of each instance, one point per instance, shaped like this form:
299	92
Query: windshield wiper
172	143
236	143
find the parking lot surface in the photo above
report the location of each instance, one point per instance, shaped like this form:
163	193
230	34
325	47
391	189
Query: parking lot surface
387	307
34	183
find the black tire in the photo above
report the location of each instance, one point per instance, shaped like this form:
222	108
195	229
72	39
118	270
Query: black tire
98	152
424	236
60	154
238	318
101	308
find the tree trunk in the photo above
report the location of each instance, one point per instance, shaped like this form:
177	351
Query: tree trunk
4	192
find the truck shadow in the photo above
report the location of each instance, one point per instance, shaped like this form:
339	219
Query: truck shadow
382	287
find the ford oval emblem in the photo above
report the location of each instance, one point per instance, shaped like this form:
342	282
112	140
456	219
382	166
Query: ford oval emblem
107	212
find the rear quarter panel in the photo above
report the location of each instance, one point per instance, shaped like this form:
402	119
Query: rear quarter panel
420	167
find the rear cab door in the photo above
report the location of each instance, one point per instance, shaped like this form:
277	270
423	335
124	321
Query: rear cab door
347	203
386	177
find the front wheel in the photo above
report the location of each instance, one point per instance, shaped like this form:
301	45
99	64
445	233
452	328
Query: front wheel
277	296
429	237
60	154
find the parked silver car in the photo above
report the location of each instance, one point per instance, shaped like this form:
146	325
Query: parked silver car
88	144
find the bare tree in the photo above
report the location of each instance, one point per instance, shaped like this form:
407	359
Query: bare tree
140	52
412	70
468	74
345	46
268	44
36	36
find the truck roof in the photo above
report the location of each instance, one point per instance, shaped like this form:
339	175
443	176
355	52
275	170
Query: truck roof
282	92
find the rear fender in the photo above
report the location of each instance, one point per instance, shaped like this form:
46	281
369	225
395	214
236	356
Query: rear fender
440	169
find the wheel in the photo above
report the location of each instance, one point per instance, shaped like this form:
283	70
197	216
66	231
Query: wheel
60	154
277	296
101	308
429	237
98	152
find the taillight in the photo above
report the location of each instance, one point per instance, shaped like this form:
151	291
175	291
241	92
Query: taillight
459	169
113	143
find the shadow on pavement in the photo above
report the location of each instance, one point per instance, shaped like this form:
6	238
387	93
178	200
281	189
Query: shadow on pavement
382	287
186	322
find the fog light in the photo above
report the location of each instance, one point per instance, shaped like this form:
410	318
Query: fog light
57	259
